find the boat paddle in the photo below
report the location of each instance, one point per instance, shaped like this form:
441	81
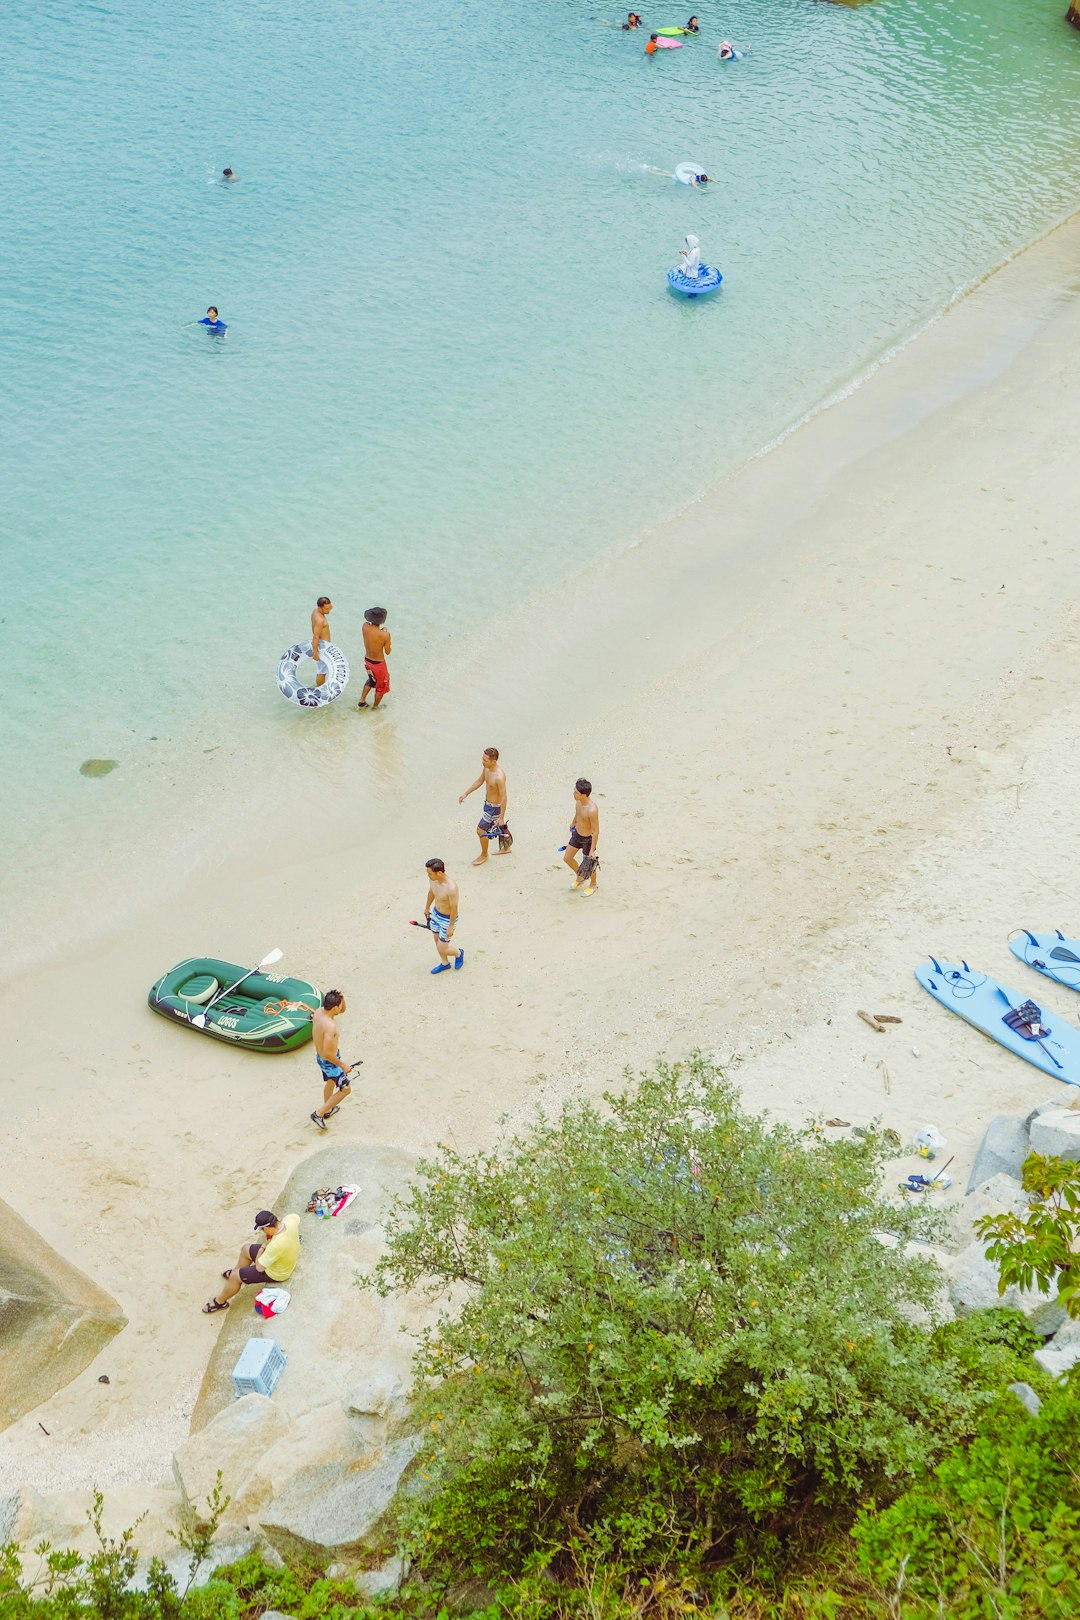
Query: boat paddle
1036	1038
199	1020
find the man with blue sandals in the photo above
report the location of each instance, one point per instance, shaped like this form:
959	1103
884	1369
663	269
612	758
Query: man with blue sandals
440	913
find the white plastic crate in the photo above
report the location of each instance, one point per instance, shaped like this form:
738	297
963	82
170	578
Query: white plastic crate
259	1368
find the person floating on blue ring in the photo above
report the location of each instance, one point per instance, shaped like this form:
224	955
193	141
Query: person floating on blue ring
213	322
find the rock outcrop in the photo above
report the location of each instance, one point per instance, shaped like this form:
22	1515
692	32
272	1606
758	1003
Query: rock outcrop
1055	1133
1061	1354
1002	1151
313	1468
53	1319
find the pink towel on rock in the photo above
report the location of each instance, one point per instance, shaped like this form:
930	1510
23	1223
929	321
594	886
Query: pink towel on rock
348	1194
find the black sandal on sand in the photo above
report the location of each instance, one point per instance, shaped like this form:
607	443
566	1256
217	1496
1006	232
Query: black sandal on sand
213	1305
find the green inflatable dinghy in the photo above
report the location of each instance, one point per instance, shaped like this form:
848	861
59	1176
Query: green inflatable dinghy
266	1012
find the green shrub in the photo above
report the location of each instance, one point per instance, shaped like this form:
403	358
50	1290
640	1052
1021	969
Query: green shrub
992	1349
994	1531
674	1339
1041	1247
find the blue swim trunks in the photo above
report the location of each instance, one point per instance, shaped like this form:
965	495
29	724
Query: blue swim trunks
489	823
332	1071
438	923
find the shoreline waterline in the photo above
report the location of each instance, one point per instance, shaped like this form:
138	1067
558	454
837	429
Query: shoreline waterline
470	433
189	855
806	706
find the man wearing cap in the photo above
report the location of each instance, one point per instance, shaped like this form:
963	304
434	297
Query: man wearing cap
271	1261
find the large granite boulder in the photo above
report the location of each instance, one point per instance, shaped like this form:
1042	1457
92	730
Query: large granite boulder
312	1468
335	1335
973	1286
337	1507
1002	1151
1055	1133
234	1442
60	1517
53	1319
1062	1352
1043	1107
1001	1195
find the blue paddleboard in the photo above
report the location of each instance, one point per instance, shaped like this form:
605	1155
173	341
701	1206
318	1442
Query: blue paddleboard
1052	954
986	1004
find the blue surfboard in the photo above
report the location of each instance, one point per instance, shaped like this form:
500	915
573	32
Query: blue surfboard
984	1002
1052	954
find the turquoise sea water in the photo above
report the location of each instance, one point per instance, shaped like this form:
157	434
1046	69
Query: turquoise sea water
452	366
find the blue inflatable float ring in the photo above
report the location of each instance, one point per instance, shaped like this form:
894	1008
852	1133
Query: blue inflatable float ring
707	281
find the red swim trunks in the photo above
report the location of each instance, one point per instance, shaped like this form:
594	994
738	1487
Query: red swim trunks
378	675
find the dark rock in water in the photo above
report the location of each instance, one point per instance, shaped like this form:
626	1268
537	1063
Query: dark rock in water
97	767
1003	1149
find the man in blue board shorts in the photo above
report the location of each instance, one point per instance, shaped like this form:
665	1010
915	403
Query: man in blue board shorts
335	1074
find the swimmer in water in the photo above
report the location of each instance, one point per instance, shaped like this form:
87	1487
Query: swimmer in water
632	21
650	49
213	322
229	176
692	26
726	52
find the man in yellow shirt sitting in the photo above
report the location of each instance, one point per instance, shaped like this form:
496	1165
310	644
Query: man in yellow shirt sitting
271	1261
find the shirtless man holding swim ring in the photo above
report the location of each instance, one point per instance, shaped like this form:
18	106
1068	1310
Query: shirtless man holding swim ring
320	631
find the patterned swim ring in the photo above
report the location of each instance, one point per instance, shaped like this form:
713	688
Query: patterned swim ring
332	663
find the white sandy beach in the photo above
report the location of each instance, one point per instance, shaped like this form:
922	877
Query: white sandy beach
831	715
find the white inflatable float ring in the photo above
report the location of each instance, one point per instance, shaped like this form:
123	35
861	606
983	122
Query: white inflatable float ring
687	173
332	663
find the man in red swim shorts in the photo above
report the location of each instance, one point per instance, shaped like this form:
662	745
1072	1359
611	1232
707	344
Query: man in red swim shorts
376	651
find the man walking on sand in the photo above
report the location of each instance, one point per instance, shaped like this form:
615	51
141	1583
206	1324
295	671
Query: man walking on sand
335	1074
320	630
273	1260
440	913
376	652
492	823
581	850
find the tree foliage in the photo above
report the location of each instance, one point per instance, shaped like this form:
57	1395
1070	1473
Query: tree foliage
1041	1248
993	1531
672	1332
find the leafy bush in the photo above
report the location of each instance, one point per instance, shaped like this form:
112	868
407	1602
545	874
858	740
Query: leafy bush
994	1531
1041	1248
992	1349
674	1337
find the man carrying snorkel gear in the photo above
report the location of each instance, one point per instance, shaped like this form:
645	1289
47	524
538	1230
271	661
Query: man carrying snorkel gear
213	322
584	840
441	913
336	1075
